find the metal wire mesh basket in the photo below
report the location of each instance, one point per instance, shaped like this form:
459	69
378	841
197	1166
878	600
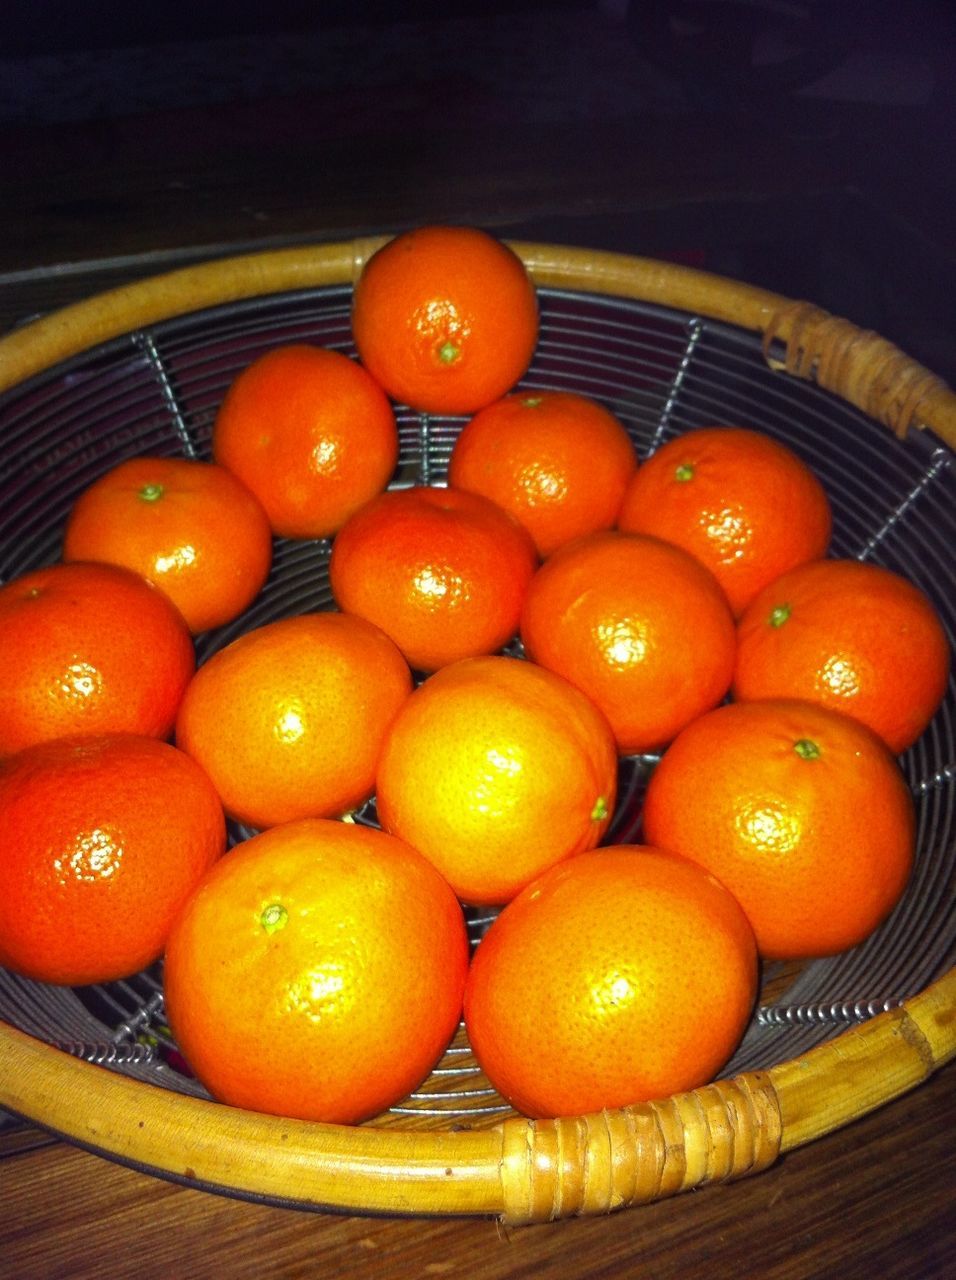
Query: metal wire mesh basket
143	370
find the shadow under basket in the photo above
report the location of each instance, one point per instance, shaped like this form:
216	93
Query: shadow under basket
143	369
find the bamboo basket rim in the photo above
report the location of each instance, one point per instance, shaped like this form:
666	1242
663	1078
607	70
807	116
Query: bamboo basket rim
519	1170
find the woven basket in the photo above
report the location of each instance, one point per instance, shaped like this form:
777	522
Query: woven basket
142	368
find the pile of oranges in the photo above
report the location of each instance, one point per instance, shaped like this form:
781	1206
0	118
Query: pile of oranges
498	645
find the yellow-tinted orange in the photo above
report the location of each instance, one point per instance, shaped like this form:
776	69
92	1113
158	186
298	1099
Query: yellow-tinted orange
288	719
317	972
494	769
622	975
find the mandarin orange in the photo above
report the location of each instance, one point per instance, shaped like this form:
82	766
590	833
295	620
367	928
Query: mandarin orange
317	972
559	462
103	837
741	502
288	719
494	769
619	976
443	572
310	433
853	636
800	811
191	528
89	648
639	626
445	318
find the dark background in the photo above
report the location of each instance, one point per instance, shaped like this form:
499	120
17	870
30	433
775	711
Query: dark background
803	145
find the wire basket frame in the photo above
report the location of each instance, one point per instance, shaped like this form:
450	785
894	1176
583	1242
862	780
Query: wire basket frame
662	369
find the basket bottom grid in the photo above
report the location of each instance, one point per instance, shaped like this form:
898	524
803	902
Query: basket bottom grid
661	372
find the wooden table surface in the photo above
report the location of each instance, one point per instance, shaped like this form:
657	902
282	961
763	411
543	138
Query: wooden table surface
88	205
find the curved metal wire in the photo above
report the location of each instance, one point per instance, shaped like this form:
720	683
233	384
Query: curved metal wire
661	372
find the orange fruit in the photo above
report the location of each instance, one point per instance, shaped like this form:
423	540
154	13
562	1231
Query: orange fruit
445	318
317	972
637	624
288	719
443	572
619	976
310	433
104	836
89	648
745	505
192	528
494	769
799	810
852	636
559	462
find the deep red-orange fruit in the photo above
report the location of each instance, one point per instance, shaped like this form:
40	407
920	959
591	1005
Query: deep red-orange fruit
192	528
311	434
102	839
445	318
89	648
559	462
441	571
740	501
639	626
852	636
799	810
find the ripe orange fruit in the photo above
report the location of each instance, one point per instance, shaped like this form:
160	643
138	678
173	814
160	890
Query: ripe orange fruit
89	648
445	318
103	837
799	810
494	769
192	528
288	719
311	434
443	572
559	462
619	976
745	505
854	637
639	625
317	972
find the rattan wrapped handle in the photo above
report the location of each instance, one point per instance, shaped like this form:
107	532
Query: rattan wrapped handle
597	1163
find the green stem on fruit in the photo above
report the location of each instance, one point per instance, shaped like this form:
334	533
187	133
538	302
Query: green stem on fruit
448	353
599	812
274	917
780	615
151	492
684	472
807	749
